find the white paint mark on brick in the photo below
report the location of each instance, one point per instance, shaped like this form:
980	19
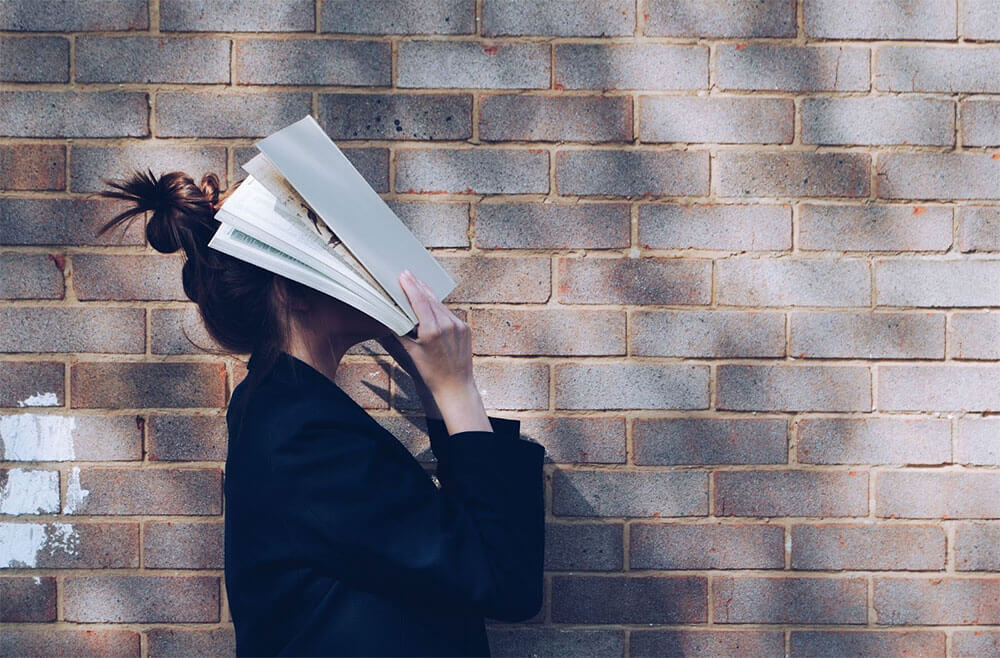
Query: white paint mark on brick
40	400
37	437
74	494
38	581
30	492
21	543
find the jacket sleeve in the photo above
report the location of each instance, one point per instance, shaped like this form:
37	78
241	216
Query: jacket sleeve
364	514
437	432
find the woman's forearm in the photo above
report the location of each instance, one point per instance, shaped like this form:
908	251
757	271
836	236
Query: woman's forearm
462	409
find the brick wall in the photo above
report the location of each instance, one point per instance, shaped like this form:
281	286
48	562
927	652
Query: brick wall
733	263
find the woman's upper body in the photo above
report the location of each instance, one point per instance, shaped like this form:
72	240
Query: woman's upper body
337	542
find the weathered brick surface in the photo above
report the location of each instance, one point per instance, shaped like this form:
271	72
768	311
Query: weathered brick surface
798	600
632	173
186	438
937	176
34	59
141	598
597	493
114	385
93	163
121	277
709	334
60	437
34	599
51	329
980	123
971	644
720	119
31	276
791	493
705	643
787	282
32	167
977	546
630	66
65	222
548	332
937	387
794	388
736	227
767	67
979	228
968	69
578	440
978	20
583	546
177	545
472	65
441	224
237	16
977	441
826	174
867	643
877	440
472	171
620	599
90	642
392	17
528	640
877	120
152	59
881	19
191	642
74	15
874	227
689	18
396	116
316	62
217	114
128	491
503	225
860	334
504	117
64	545
832	547
32	383
937	283
930	494
563	18
633	281
498	279
946	600
662	441
626	385
748	546
74	114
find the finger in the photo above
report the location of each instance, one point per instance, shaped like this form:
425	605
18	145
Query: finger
426	320
441	311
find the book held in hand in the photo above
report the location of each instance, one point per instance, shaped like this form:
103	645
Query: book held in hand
306	213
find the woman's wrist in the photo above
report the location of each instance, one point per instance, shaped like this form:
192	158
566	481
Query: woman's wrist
461	407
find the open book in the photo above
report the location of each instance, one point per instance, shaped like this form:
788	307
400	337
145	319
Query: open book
306	213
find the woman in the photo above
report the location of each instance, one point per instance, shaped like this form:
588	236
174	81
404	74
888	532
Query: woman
337	542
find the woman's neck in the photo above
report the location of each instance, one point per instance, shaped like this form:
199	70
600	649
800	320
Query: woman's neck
321	352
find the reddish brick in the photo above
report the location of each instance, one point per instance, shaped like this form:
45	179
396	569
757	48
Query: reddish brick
867	643
177	545
505	225
784	600
868	547
139	384
90	164
668	441
119	277
179	331
902	601
877	440
650	280
706	643
26	599
595	493
65	222
31	167
930	494
583	546
791	493
975	644
31	276
977	546
629	600
578	440
28	383
716	546
36	113
495	279
52	329
547	332
41	641
56	545
147	599
149	491
187	438
185	642
61	437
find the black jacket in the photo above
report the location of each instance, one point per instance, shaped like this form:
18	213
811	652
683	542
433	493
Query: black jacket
338	542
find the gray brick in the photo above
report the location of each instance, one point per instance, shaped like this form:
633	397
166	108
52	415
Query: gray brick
435	224
629	494
629	600
53	329
933	494
26	383
472	65
237	16
973	336
793	388
36	598
880	19
547	332
71	546
505	225
749	546
978	441
32	167
875	440
34	59
979	20
31	276
785	282
92	163
74	114
783	600
631	66
393	17
371	163
708	334
634	281
64	221
791	493
141	598
632	173
396	116
937	387
938	176
951	601
867	643
472	171
670	441
874	227
792	174
73	15
128	277
952	68
582	440
980	123
535	639
938	283
975	644
559	18
631	386
496	279
168	327
583	547
767	67
187	438
511	117
705	643
867	335
977	547
735	227
152	59
716	119
729	18
215	114
836	547
313	62
32	436
878	120
175	642
178	545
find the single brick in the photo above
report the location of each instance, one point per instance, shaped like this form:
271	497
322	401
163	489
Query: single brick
371	163
34	59
516	117
772	67
65	222
31	276
178	642
32	167
216	114
691	18
74	114
632	173
152	59
114	385
559	18
881	19
629	600
128	277
545	332
187	438
512	384
834	547
648	280
978	441
979	228
785	282
654	66
503	225
32	384
929	494
793	387
626	385
495	279
669	441
39	641
536	639
980	123
975	643
34	599
977	547
716	119
583	547
392	17
53	329
874	227
74	15
814	644
877	120
472	171
440	224
705	643
60	437
29	491
584	440
952	68
396	116
937	388
472	65
319	61
980	21
735	227
237	16
973	336
716	546
789	600
597	493
54	545
949	600
876	440
791	493
90	164
937	283
708	334
175	545
792	174
867	335
146	599
938	176
179	331
147	491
